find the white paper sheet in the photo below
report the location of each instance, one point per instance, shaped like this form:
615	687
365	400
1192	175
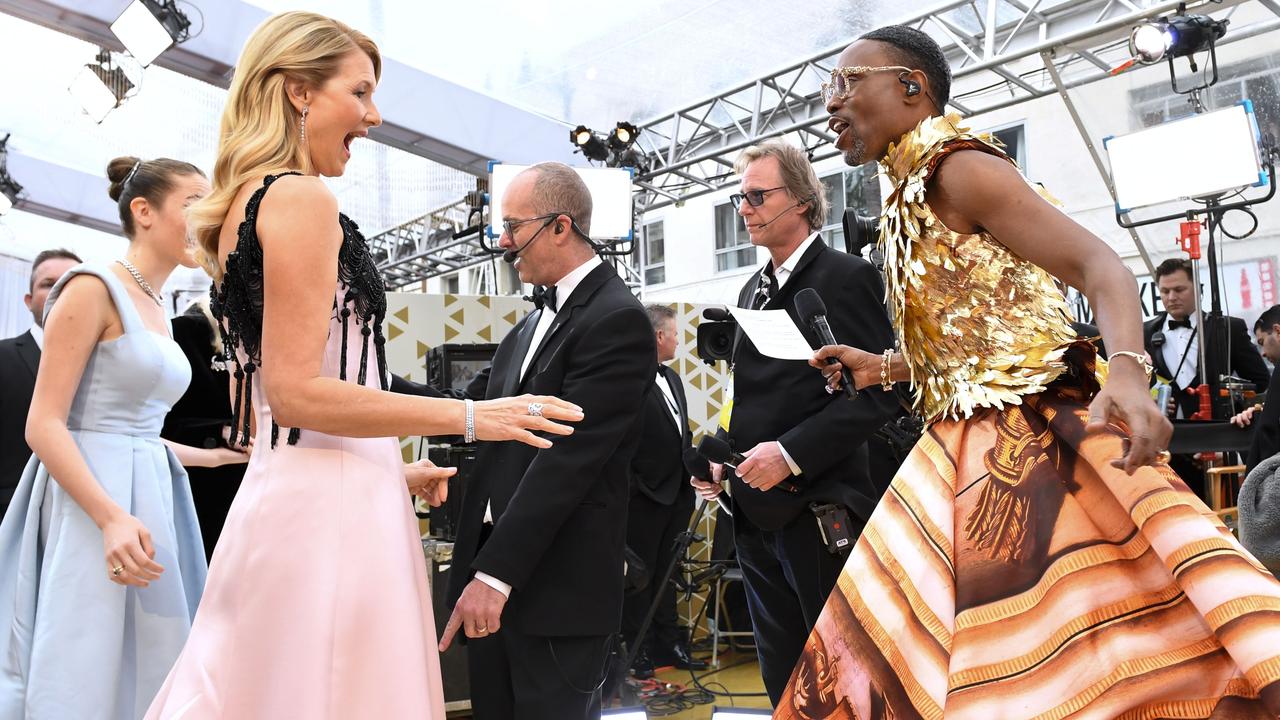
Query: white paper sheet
773	333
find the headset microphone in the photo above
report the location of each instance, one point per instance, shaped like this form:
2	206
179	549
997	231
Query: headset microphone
785	210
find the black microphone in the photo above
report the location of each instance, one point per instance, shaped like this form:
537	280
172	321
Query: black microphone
718	451
697	465
1157	339
775	217
716	314
509	257
810	307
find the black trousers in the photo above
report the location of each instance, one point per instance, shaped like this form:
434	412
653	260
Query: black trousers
652	529
515	676
788	574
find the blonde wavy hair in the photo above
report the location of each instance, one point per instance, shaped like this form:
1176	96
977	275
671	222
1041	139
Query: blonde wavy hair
259	133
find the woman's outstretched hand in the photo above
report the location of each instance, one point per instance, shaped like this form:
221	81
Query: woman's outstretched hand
518	418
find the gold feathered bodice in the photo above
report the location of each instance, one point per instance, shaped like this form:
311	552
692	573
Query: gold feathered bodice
979	326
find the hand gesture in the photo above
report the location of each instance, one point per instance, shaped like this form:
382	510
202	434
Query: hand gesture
129	552
518	418
429	482
1126	400
478	613
709	490
1244	419
765	467
863	366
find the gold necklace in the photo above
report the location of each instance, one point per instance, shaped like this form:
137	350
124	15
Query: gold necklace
137	277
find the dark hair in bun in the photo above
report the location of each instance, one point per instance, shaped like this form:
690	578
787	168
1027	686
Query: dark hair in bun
150	179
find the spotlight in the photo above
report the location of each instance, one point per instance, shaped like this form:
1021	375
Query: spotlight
9	188
149	27
623	136
101	86
591	146
1174	36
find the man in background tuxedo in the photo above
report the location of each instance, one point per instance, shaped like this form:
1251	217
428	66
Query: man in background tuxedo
805	446
1264	415
536	582
660	508
19	360
1171	340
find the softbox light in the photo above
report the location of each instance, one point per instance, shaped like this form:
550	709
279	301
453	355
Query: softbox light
1195	157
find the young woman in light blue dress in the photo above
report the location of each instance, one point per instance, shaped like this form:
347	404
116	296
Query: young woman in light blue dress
101	563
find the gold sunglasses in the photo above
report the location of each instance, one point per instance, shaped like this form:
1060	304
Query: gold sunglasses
842	79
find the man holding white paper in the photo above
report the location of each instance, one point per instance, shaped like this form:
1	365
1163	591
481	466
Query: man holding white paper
788	425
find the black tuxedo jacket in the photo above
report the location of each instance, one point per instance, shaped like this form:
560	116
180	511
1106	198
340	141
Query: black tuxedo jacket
1266	426
19	360
560	515
1245	359
657	470
786	400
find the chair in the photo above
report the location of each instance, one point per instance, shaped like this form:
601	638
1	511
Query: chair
733	574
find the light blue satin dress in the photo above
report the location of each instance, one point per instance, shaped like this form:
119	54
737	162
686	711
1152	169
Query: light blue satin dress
73	644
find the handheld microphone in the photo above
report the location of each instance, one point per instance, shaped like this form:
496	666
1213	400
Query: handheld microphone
697	465
718	451
810	307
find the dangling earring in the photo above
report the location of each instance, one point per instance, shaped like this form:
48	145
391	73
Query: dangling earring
302	124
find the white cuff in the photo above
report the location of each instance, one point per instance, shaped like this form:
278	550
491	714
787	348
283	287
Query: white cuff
494	583
795	469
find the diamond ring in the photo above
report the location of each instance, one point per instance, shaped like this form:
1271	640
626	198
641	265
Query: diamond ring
535	409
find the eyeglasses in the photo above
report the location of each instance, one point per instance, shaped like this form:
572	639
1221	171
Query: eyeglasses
754	198
842	79
509	226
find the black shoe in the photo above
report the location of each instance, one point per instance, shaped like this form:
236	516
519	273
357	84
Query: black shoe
679	656
642	668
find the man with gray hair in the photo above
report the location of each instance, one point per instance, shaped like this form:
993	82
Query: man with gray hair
806	450
19	360
536	582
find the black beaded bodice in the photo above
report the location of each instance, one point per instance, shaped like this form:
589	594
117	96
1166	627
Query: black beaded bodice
237	302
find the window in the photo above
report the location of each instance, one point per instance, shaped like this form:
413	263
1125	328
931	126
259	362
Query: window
452	284
1257	80
733	245
654	261
854	189
1014	140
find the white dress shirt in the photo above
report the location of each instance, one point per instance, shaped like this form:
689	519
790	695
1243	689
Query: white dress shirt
669	395
782	274
1178	342
564	289
37	332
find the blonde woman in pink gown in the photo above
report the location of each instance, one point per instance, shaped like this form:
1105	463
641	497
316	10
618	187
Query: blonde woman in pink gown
316	604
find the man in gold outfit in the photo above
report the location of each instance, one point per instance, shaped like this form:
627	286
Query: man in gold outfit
1034	557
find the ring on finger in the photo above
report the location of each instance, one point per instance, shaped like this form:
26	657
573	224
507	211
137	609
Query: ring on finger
115	571
535	409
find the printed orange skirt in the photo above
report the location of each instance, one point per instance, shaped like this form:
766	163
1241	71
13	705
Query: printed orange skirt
1011	572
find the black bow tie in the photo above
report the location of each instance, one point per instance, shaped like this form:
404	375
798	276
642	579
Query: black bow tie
1175	324
543	297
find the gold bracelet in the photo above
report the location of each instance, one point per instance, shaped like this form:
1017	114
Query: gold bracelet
886	382
1142	361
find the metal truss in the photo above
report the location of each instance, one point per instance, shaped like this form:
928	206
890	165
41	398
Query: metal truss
426	246
995	48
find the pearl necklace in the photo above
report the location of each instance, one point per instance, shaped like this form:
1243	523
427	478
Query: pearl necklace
137	277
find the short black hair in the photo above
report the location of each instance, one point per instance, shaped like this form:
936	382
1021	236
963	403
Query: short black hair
1268	319
45	256
1173	265
916	50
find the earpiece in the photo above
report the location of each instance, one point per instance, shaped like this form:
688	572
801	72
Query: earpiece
913	87
559	228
